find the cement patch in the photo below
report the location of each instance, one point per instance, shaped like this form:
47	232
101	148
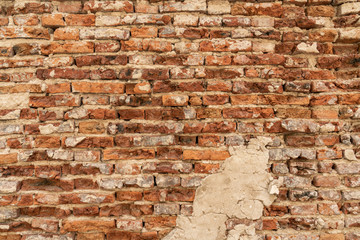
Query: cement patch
240	190
14	100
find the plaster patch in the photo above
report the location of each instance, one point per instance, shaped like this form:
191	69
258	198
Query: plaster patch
14	114
73	141
240	190
47	129
14	100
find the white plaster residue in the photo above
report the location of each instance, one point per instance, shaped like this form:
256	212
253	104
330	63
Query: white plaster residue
349	154
47	129
307	48
91	198
242	230
73	141
14	114
14	100
240	190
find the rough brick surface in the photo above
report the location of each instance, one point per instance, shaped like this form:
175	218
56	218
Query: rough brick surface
113	112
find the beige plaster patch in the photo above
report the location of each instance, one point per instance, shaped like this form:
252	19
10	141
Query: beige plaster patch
240	190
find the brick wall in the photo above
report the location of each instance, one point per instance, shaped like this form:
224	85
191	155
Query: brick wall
112	113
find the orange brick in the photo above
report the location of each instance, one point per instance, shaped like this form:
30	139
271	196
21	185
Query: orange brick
98	87
205	155
66	34
144	32
53	20
80	20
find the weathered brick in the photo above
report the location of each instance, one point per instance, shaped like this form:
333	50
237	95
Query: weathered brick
24	32
9	186
52	20
349	8
249	9
225	46
80	20
320	11
199	6
53	101
87	225
109	6
70	7
92	87
110	46
303	209
144	32
110	154
67	47
157	46
205	155
117	110
28	20
326	181
104	33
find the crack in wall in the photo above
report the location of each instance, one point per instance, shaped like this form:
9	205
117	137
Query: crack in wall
240	190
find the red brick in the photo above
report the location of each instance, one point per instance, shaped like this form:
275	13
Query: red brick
131	114
58	88
205	155
129	196
157	46
215	99
111	46
66	34
91	127
109	6
94	87
326	154
100	60
218	60
113	154
87	225
320	11
89	236
329	209
326	181
300	141
67	47
225	46
175	100
8	158
54	101
47	142
28	20
70	7
159	221
53	20
325	113
146	8
89	142
31	7
102	113
272	9
45	225
47	185
349	99
269	224
303	209
80	20
323	35
248	112
144	32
